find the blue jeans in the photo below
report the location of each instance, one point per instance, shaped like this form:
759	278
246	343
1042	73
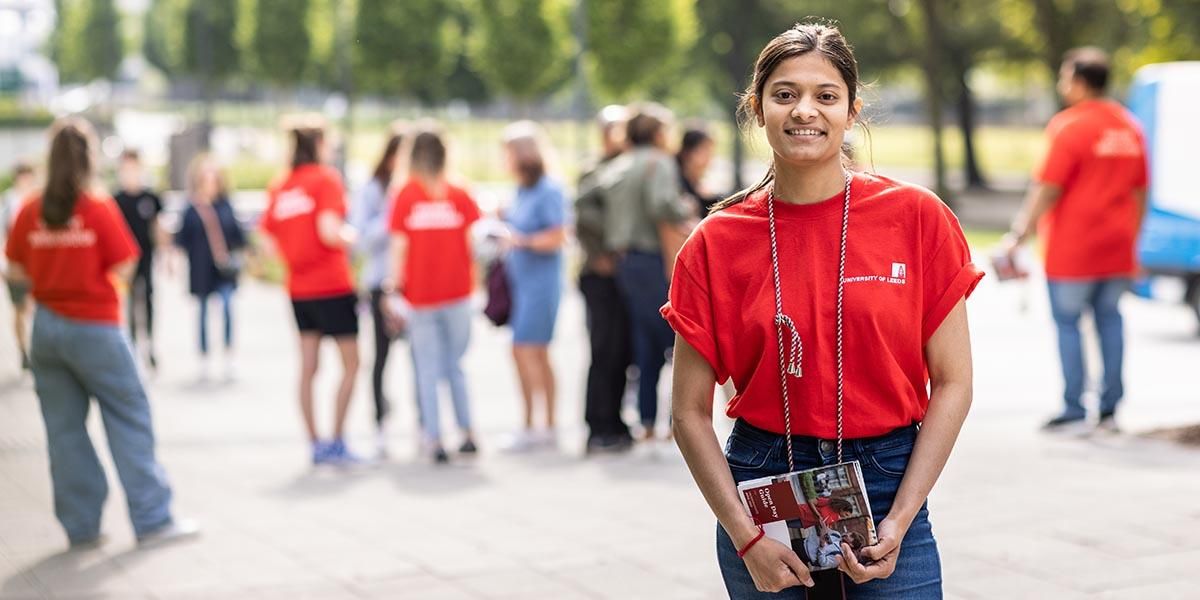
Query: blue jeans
642	280
225	293
439	338
73	361
754	453
1068	300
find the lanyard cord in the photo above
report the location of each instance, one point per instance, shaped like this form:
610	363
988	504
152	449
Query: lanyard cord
793	365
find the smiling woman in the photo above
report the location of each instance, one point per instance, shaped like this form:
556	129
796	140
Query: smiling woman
771	265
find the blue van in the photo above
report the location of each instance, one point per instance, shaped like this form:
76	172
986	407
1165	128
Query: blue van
1163	99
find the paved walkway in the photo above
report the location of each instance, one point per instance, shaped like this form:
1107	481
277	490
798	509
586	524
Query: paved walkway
1017	515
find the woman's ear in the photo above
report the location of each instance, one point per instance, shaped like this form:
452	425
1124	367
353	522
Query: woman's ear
757	109
854	112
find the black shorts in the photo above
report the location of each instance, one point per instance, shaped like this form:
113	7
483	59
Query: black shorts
336	316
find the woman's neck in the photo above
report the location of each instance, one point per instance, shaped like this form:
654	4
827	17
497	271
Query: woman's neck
808	185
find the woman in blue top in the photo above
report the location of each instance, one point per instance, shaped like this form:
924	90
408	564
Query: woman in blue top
212	238
537	220
371	215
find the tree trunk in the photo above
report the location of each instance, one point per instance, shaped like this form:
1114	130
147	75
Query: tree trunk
932	55
966	124
1050	23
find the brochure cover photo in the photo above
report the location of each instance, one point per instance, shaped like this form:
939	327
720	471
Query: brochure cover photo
813	511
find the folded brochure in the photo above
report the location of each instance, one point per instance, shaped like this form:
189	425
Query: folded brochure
813	511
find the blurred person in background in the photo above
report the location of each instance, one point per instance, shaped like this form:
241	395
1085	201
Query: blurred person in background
24	184
141	207
538	224
74	248
1088	200
646	220
211	237
693	158
432	269
369	216
305	216
607	318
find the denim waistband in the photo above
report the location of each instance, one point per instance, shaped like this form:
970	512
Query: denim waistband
902	436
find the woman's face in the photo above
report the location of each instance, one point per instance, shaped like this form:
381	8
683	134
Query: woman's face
700	158
805	109
510	160
208	185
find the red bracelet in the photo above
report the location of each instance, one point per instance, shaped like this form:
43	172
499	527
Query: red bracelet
751	543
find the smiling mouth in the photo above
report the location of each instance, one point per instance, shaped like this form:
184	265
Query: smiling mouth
804	132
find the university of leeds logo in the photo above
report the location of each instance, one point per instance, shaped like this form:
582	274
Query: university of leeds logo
899	271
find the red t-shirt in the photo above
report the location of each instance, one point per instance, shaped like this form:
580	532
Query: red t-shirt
69	267
907	265
829	516
1097	156
437	267
315	270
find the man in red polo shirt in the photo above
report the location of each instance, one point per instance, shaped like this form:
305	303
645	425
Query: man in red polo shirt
1088	199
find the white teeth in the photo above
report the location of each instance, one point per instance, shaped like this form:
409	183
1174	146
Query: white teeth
803	132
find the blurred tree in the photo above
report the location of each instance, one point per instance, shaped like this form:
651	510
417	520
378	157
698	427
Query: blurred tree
636	45
405	48
87	40
282	42
521	47
210	49
163	26
464	82
732	36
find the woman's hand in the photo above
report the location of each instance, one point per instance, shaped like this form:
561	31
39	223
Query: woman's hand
878	560
775	567
394	321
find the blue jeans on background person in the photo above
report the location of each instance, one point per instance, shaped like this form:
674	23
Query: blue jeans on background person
642	280
753	453
74	361
439	338
225	292
1068	301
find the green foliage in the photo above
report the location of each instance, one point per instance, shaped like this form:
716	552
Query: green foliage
634	45
87	41
210	49
164	25
405	48
521	47
282	42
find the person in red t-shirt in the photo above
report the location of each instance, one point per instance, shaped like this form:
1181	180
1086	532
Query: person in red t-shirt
834	301
1089	199
306	218
71	243
432	268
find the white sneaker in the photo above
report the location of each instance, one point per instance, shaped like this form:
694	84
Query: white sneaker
546	438
202	370
525	440
176	530
229	369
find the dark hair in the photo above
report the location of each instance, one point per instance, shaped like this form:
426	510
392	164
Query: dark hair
387	162
800	39
841	505
1089	64
428	153
68	170
645	123
131	154
22	168
854	540
306	141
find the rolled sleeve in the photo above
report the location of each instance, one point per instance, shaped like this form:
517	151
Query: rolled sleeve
949	274
689	311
